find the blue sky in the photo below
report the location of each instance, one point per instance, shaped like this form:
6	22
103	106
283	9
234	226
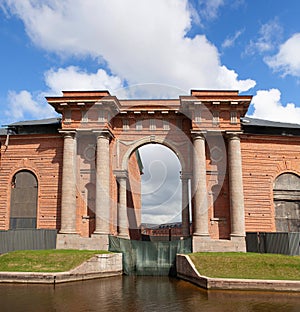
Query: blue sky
49	46
150	48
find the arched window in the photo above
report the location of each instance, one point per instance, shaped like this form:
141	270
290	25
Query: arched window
287	203
23	205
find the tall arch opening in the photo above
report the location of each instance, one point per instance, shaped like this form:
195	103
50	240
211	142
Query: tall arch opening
161	190
90	193
23	204
287	202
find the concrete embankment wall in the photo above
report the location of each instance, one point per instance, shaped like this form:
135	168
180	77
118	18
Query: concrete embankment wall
102	265
187	271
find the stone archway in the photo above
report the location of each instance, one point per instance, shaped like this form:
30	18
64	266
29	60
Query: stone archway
184	159
287	202
162	198
187	125
180	149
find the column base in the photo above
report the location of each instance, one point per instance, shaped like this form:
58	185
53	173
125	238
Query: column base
65	240
202	235
123	232
68	232
238	236
239	242
96	233
75	241
123	236
235	244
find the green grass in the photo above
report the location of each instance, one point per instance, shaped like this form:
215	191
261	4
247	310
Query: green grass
44	260
247	265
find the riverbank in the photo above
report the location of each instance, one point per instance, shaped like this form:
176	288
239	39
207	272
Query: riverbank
186	270
207	270
247	265
98	266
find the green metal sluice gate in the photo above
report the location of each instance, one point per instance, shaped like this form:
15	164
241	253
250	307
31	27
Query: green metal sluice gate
149	258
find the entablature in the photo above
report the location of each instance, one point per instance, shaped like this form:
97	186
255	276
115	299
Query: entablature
204	109
210	109
82	109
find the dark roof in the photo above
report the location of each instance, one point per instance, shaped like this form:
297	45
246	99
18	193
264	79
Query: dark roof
49	121
260	126
42	126
267	123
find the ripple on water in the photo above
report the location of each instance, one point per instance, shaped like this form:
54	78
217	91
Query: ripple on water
141	294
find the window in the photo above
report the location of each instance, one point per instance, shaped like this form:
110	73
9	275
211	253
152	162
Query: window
125	125
139	125
198	116
286	194
166	125
233	117
101	117
216	118
67	116
24	194
152	124
84	117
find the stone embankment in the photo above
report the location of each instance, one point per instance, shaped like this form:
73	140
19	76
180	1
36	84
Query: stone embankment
102	265
186	270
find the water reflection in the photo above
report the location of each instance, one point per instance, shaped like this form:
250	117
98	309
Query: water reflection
129	293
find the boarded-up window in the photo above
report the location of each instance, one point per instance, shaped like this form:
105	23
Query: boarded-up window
23	209
287	203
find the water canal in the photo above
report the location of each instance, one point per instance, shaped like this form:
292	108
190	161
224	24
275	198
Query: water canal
138	293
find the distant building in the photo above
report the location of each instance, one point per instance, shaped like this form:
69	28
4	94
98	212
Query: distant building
167	231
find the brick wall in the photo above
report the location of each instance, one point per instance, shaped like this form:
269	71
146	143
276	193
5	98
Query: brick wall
42	155
263	159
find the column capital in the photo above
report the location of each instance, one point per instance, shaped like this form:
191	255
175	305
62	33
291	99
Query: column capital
107	134
68	133
198	135
121	174
233	135
185	175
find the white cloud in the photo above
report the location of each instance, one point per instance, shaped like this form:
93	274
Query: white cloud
23	103
267	105
230	40
209	9
287	60
269	36
161	184
140	41
229	78
73	78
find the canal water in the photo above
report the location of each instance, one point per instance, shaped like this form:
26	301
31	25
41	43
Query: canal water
138	293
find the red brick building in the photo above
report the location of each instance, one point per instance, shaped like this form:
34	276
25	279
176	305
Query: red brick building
80	174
